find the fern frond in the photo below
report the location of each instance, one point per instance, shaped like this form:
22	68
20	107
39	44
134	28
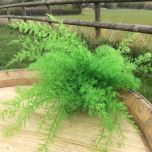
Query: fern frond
52	130
32	28
71	79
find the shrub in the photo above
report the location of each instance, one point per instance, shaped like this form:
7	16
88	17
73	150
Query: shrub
42	10
143	62
71	79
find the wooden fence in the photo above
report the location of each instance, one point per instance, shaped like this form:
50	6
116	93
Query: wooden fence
97	24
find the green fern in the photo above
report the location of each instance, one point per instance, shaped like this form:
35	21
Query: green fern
71	79
143	62
38	39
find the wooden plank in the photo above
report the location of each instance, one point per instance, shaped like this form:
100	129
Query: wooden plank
76	134
48	9
24	10
97	18
60	2
141	110
8	12
137	105
10	78
114	26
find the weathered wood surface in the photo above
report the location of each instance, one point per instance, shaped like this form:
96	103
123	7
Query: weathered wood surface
97	25
8	12
23	10
141	110
76	134
97	18
10	78
60	2
147	29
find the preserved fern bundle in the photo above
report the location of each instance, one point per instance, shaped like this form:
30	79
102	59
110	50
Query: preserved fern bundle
71	79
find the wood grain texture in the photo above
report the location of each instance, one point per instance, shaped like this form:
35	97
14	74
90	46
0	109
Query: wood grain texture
76	134
60	2
10	78
141	110
97	9
147	29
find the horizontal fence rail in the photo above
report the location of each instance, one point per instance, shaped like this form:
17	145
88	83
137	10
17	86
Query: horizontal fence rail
115	26
60	2
97	9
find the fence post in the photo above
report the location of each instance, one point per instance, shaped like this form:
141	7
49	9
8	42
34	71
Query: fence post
97	18
8	12
48	9
23	10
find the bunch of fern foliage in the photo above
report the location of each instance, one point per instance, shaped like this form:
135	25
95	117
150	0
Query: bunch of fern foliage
142	61
72	78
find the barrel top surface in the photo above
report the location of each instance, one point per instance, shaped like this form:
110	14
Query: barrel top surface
75	135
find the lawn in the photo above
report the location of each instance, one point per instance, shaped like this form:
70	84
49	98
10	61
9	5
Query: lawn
6	49
142	43
116	15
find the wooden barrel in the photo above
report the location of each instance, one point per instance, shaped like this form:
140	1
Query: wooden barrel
76	134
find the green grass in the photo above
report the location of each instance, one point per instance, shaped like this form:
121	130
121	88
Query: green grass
7	50
116	15
142	43
146	89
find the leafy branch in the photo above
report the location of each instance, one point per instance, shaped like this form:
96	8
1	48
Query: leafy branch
71	79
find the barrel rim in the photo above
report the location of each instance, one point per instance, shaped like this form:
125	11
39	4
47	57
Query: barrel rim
137	105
